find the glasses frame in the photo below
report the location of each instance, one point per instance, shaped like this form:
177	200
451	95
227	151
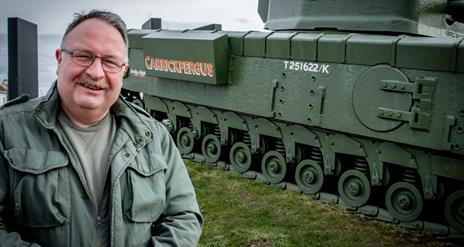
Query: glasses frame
94	57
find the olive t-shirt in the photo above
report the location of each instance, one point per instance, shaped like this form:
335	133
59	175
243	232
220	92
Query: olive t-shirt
91	145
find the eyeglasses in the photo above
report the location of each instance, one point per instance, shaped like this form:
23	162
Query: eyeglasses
86	59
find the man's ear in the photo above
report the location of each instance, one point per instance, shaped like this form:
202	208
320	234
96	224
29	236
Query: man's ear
59	58
126	72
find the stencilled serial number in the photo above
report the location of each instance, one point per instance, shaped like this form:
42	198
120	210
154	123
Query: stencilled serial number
306	66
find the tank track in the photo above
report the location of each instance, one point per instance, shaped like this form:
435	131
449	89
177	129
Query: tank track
238	147
427	228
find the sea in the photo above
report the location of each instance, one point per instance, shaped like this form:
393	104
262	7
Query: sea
47	44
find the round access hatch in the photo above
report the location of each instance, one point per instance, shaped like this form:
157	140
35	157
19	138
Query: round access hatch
368	96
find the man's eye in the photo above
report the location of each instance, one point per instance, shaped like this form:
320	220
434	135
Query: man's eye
81	57
111	63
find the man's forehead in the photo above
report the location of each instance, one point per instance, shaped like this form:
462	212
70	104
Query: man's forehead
95	29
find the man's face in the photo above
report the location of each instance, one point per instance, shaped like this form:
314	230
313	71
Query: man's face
90	88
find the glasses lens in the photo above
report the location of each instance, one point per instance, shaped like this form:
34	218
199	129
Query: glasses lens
83	58
112	65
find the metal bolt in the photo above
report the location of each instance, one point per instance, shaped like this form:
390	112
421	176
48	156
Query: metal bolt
273	167
404	201
212	148
310	177
381	112
385	85
185	140
240	157
398	115
393	86
355	188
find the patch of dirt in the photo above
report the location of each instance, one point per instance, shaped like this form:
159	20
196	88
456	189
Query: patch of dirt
257	242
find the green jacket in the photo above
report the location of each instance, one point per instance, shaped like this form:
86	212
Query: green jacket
44	200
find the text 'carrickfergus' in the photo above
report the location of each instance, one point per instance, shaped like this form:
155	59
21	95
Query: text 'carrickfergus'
180	66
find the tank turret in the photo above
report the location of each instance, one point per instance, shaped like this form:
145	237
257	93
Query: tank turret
437	18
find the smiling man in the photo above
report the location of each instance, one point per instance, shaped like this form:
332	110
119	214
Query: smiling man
81	166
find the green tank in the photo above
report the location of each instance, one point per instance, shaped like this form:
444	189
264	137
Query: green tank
356	102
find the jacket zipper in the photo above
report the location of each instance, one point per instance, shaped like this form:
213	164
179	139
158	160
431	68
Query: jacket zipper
96	209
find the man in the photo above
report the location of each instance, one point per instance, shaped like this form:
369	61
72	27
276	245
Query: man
81	166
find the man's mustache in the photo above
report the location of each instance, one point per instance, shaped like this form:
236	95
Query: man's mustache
95	85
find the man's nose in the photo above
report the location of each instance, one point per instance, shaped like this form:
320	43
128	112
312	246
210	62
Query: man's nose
95	70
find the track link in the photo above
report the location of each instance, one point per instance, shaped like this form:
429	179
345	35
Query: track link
427	228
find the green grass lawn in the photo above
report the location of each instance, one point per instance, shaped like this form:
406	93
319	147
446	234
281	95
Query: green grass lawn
241	212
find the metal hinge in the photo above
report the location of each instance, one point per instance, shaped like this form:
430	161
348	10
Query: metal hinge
422	92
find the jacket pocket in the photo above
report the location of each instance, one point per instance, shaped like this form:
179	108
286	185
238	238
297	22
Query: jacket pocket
40	187
146	190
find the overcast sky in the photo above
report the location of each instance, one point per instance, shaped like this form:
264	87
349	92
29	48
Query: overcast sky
52	16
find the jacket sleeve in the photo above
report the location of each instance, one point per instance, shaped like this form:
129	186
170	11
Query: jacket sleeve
182	221
7	238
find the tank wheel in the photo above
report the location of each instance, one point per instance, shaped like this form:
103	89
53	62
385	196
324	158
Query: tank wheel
273	167
138	102
404	201
211	148
354	188
185	140
309	176
454	210
240	157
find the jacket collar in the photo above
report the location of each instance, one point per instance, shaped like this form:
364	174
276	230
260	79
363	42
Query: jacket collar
128	118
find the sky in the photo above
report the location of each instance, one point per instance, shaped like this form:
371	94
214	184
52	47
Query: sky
52	16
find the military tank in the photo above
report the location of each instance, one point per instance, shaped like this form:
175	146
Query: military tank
357	102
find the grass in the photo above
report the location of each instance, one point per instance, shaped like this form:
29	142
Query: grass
241	212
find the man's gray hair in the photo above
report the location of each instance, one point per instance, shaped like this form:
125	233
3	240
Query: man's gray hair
105	16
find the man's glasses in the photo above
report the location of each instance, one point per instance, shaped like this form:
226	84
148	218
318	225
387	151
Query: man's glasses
85	59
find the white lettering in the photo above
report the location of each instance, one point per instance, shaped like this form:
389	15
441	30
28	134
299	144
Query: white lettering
285	64
306	66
